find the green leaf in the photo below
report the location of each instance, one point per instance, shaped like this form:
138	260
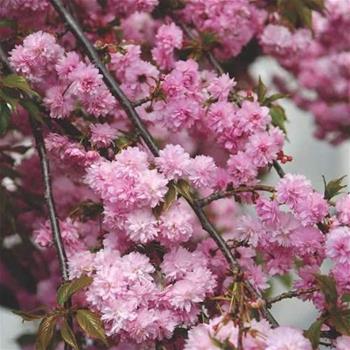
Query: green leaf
126	140
208	40
169	198
66	290
68	335
26	339
316	5
33	110
286	280
346	298
28	316
225	345
15	81
278	116
184	188
86	210
261	91
328	288
305	16
46	332
333	187
91	324
298	12
314	333
273	98
5	117
8	97
8	23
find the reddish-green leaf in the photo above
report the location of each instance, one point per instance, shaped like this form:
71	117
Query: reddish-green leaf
66	290
46	332
91	324
68	335
28	316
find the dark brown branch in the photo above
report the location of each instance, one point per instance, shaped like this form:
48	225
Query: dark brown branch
291	294
107	76
229	193
148	139
141	102
55	227
45	169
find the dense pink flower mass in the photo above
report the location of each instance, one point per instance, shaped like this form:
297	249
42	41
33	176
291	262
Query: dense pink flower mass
319	59
178	231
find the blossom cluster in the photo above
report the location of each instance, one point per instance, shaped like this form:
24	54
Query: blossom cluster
320	61
138	302
133	220
232	23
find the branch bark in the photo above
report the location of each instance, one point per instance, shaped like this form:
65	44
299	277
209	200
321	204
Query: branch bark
55	227
229	193
291	294
45	170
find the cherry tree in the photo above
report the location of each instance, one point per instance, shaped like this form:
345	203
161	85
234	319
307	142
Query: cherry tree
135	211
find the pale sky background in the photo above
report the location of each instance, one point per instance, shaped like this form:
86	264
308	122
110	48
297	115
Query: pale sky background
312	158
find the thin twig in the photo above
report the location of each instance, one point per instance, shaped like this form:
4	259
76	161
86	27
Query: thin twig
45	169
55	227
291	294
229	193
141	101
148	139
281	173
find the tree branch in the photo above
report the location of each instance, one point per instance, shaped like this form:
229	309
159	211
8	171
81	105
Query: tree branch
107	76
45	169
148	139
291	294
229	193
